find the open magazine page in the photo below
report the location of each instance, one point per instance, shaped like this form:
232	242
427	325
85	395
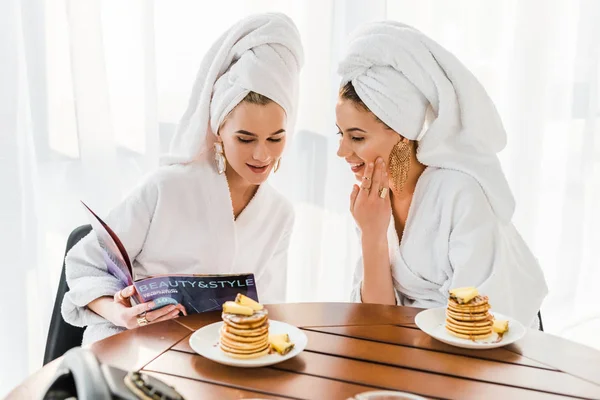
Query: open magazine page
117	261
197	293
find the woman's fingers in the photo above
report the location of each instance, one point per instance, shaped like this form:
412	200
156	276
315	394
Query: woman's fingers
123	295
181	308
384	191
132	315
367	180
166	317
156	314
353	195
377	177
134	311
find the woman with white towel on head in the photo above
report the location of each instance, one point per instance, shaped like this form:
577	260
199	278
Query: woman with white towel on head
207	209
433	206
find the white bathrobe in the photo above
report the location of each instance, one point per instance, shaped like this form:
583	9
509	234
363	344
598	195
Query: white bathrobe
459	230
453	239
180	221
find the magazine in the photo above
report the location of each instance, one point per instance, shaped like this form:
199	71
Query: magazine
197	293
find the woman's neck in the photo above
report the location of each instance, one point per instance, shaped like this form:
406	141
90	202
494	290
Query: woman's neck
240	190
414	173
401	201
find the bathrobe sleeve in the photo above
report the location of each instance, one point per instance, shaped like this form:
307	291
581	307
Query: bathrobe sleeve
87	276
474	239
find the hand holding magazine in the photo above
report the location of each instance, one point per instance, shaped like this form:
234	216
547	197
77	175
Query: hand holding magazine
197	293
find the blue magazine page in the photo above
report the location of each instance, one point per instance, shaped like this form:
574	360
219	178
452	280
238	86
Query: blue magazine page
197	293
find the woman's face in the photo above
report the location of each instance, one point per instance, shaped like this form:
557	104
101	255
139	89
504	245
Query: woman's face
362	137
253	139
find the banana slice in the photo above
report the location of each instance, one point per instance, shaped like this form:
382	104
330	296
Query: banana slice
281	346
279	337
248	302
234	308
500	326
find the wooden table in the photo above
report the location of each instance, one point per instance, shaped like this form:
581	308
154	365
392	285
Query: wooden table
353	348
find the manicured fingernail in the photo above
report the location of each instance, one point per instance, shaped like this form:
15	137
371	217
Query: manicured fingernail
379	160
151	305
371	165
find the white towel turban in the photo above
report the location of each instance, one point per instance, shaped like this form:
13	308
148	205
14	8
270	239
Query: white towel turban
263	54
400	74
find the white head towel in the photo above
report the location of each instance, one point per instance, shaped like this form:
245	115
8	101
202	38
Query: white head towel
400	74
263	54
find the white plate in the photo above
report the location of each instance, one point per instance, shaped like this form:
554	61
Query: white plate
433	322
205	342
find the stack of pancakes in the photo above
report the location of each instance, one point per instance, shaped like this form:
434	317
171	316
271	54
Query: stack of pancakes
245	336
469	320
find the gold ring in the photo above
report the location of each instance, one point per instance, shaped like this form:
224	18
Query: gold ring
366	178
142	321
383	192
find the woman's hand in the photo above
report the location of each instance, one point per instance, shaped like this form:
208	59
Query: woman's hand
121	313
370	203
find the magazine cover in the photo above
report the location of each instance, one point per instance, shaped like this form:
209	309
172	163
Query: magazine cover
197	293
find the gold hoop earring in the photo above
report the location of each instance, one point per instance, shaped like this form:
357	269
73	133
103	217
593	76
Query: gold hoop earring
399	164
276	165
220	159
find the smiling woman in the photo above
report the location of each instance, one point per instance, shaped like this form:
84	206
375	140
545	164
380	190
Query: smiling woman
253	137
195	216
365	137
447	222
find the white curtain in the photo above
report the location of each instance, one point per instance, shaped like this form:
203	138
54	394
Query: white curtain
90	91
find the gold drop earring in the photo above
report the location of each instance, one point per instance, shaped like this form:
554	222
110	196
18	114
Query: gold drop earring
399	164
220	159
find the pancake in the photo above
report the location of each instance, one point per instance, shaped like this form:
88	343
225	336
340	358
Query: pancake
244	326
232	350
469	337
484	316
263	329
258	316
244	346
474	310
470	310
450	321
243	339
246	356
468	331
479	300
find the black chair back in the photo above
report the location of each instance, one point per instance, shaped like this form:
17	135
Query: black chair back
61	335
